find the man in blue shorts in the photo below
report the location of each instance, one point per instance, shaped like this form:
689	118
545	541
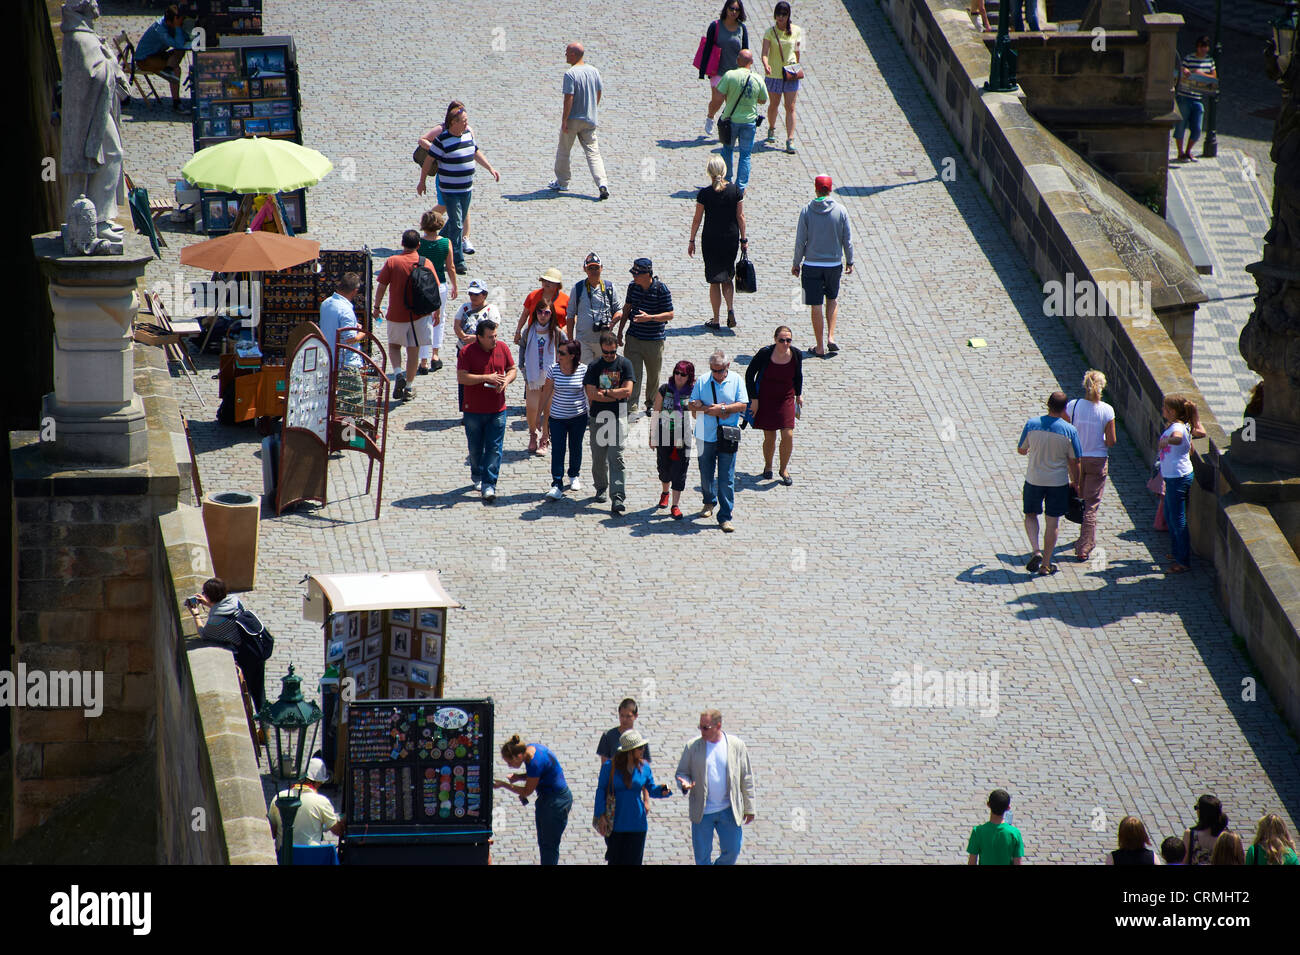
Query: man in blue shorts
1052	447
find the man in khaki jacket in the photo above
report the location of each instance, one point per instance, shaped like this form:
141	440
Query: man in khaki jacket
714	769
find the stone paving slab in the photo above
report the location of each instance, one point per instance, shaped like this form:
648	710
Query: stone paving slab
895	547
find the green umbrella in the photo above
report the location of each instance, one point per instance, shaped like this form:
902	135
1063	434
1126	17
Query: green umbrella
256	164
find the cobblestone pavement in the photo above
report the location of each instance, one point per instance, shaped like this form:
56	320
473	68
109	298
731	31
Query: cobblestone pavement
1117	690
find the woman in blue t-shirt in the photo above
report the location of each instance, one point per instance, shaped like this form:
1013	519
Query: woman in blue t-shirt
542	775
627	776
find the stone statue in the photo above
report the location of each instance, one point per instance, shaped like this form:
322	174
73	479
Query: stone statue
93	89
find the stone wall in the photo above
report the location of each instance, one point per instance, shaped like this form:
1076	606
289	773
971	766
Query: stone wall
1064	220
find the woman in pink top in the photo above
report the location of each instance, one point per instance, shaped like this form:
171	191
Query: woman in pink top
1095	422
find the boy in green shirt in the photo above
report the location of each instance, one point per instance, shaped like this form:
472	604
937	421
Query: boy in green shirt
996	842
742	92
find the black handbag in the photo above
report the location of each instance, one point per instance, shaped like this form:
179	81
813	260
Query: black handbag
728	434
746	280
1074	513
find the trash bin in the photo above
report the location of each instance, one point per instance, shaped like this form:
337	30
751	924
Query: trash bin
232	520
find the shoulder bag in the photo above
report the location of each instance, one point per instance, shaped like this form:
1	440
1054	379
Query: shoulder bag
787	72
728	434
725	133
604	823
709	67
746	280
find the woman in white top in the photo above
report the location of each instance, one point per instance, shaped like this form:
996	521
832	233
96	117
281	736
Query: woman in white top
1176	468
536	356
565	401
1095	422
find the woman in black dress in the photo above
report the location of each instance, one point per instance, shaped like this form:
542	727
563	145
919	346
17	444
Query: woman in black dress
723	210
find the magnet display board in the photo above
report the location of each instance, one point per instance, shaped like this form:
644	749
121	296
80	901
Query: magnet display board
304	450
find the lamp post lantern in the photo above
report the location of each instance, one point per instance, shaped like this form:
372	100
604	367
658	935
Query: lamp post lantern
286	721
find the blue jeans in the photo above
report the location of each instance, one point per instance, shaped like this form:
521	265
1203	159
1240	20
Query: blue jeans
1190	111
730	836
743	133
723	491
1018	20
457	204
1180	540
566	434
485	433
552	816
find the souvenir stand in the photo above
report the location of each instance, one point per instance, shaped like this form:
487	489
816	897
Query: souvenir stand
247	87
221	18
358	420
293	296
415	769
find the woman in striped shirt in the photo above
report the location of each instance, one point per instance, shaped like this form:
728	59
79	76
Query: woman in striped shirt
566	400
456	153
1190	93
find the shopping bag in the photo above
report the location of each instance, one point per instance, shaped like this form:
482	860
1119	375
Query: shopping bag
746	280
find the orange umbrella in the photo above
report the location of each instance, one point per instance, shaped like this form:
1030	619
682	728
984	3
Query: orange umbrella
250	252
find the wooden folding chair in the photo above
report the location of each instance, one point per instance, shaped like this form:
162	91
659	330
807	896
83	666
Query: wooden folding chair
157	207
126	59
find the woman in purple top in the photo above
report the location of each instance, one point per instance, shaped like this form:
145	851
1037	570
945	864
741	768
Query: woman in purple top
542	775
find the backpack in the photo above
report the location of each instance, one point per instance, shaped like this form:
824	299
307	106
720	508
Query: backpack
262	640
422	294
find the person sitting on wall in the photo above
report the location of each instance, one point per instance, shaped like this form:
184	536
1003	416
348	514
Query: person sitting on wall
161	50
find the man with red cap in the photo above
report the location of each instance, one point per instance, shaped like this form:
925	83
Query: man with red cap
823	249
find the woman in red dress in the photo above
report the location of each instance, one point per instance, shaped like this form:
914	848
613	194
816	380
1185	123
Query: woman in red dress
774	381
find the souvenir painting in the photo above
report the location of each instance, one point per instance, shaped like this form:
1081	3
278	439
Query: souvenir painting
374	646
430	619
399	616
431	651
400	642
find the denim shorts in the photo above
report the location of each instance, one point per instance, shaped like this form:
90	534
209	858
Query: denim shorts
820	282
778	85
1057	499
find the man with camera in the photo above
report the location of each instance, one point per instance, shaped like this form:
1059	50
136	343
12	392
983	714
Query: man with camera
720	401
648	308
236	628
593	309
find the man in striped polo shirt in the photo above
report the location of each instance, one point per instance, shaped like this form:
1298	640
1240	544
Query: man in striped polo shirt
1052	447
1194	76
649	308
456	153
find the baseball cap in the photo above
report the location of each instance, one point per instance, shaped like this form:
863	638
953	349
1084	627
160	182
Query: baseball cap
591	259
823	182
476	288
642	267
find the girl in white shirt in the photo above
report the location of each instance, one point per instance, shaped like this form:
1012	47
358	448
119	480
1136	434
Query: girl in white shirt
536	356
1176	468
1095	422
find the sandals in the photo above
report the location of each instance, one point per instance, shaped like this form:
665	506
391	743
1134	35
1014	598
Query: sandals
712	324
731	318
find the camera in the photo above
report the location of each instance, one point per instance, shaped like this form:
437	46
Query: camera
192	602
602	323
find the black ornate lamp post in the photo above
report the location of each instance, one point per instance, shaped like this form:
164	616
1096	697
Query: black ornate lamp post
1210	148
1002	69
287	720
1270	342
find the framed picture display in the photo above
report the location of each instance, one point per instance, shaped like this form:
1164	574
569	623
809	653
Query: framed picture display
375	621
339	626
241	110
354	627
237	126
431	619
398	616
374	646
352	657
262	62
397	690
420	692
398	669
431	647
257	127
399	643
235	89
372	674
335	652
207	89
422	673
291	202
361	678
281	124
275	86
214	216
254	87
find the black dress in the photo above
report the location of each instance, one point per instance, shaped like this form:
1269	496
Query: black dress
721	240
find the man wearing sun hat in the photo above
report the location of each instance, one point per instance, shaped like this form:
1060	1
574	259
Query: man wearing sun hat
315	815
551	293
823	249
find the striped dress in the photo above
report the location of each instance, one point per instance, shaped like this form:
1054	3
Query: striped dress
455	155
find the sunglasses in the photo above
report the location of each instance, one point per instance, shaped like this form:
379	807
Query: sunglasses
680	374
785	341
609	351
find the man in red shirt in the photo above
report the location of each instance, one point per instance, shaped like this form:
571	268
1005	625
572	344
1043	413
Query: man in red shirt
405	330
485	367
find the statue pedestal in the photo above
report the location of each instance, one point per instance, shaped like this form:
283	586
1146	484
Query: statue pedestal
96	416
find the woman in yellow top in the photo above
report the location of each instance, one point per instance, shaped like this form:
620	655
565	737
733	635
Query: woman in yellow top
781	48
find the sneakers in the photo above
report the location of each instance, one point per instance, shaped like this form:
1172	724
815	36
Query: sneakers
574	484
676	512
600	495
400	390
555	186
489	494
708	511
708	126
555	494
771	135
618	508
466	247
663	499
477	485
437	365
604	193
409	393
726	527
790	147
460	270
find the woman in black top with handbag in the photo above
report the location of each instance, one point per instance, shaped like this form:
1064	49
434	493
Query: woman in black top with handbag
722	208
774	382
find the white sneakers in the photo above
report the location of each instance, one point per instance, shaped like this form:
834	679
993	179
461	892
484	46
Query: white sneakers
466	247
555	185
574	484
708	126
477	485
554	494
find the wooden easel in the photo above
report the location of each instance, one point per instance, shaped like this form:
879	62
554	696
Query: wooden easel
245	216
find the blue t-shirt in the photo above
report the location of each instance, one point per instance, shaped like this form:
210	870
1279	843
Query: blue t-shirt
629	811
159	38
337	313
546	768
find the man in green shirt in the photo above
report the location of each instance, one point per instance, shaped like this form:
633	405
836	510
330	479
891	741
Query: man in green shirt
743	91
996	842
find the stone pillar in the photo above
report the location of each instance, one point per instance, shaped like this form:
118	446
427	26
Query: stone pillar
95	415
